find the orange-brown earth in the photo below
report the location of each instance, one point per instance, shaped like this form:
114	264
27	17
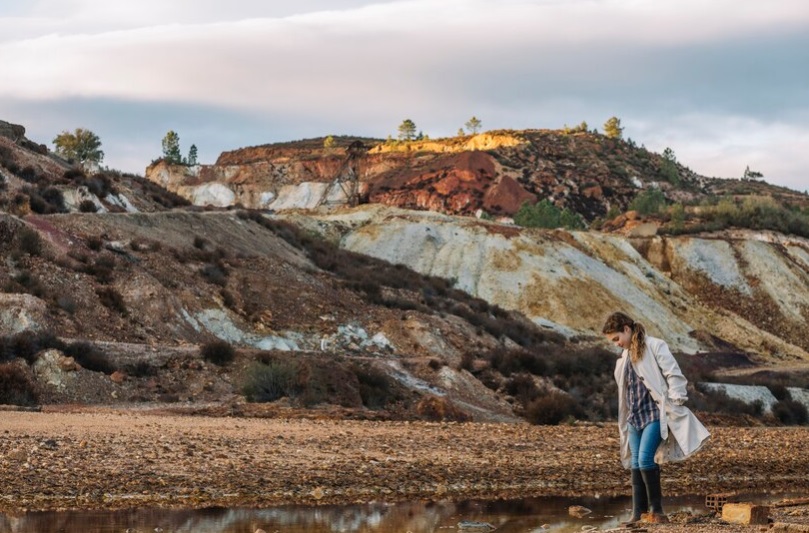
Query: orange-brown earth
108	458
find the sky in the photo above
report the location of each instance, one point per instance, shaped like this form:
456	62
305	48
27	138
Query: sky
723	83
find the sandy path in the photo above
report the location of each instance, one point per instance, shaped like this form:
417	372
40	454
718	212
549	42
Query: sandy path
123	459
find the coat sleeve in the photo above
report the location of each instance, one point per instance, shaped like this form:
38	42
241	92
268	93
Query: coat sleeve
677	392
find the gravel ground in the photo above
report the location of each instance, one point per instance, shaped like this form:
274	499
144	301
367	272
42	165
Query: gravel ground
115	459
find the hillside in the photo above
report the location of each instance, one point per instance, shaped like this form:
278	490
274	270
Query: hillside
494	172
116	289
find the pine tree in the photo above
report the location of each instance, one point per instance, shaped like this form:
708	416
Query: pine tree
192	155
407	130
171	148
473	125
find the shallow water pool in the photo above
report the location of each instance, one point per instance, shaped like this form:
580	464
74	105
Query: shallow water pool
508	516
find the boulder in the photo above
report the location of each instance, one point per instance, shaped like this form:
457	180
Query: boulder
12	131
54	369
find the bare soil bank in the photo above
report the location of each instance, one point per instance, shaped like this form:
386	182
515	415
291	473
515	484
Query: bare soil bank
104	458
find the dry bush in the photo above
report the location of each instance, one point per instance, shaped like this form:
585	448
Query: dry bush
322	381
218	352
28	283
27	345
268	382
552	409
440	409
89	356
510	361
16	387
377	389
523	388
102	269
140	369
28	242
112	299
94	243
307	380
88	206
790	412
216	274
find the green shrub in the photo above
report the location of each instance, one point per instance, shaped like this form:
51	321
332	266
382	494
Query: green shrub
649	202
16	388
543	214
218	352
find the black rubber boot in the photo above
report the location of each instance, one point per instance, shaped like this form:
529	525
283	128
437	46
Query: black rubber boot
651	478
640	499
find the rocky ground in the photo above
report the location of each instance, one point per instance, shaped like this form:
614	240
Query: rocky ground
107	458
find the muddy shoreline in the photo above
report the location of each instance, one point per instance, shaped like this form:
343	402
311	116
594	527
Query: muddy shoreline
120	459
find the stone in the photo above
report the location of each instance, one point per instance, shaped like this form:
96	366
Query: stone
117	377
51	369
578	511
12	131
654	518
745	513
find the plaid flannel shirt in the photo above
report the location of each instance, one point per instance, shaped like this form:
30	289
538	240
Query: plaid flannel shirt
642	407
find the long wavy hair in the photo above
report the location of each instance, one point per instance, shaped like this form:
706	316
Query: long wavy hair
616	323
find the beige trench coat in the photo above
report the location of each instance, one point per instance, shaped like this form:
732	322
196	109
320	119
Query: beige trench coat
681	433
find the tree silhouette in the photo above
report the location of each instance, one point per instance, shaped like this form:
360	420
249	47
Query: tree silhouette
473	125
192	155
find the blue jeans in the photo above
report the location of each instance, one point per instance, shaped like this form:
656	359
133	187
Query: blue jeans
643	444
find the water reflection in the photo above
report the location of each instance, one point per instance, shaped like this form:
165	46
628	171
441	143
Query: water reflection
508	516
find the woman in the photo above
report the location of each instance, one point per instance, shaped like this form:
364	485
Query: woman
654	425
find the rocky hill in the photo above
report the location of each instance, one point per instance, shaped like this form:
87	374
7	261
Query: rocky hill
116	289
492	173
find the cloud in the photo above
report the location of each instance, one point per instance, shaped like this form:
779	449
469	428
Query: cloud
361	66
